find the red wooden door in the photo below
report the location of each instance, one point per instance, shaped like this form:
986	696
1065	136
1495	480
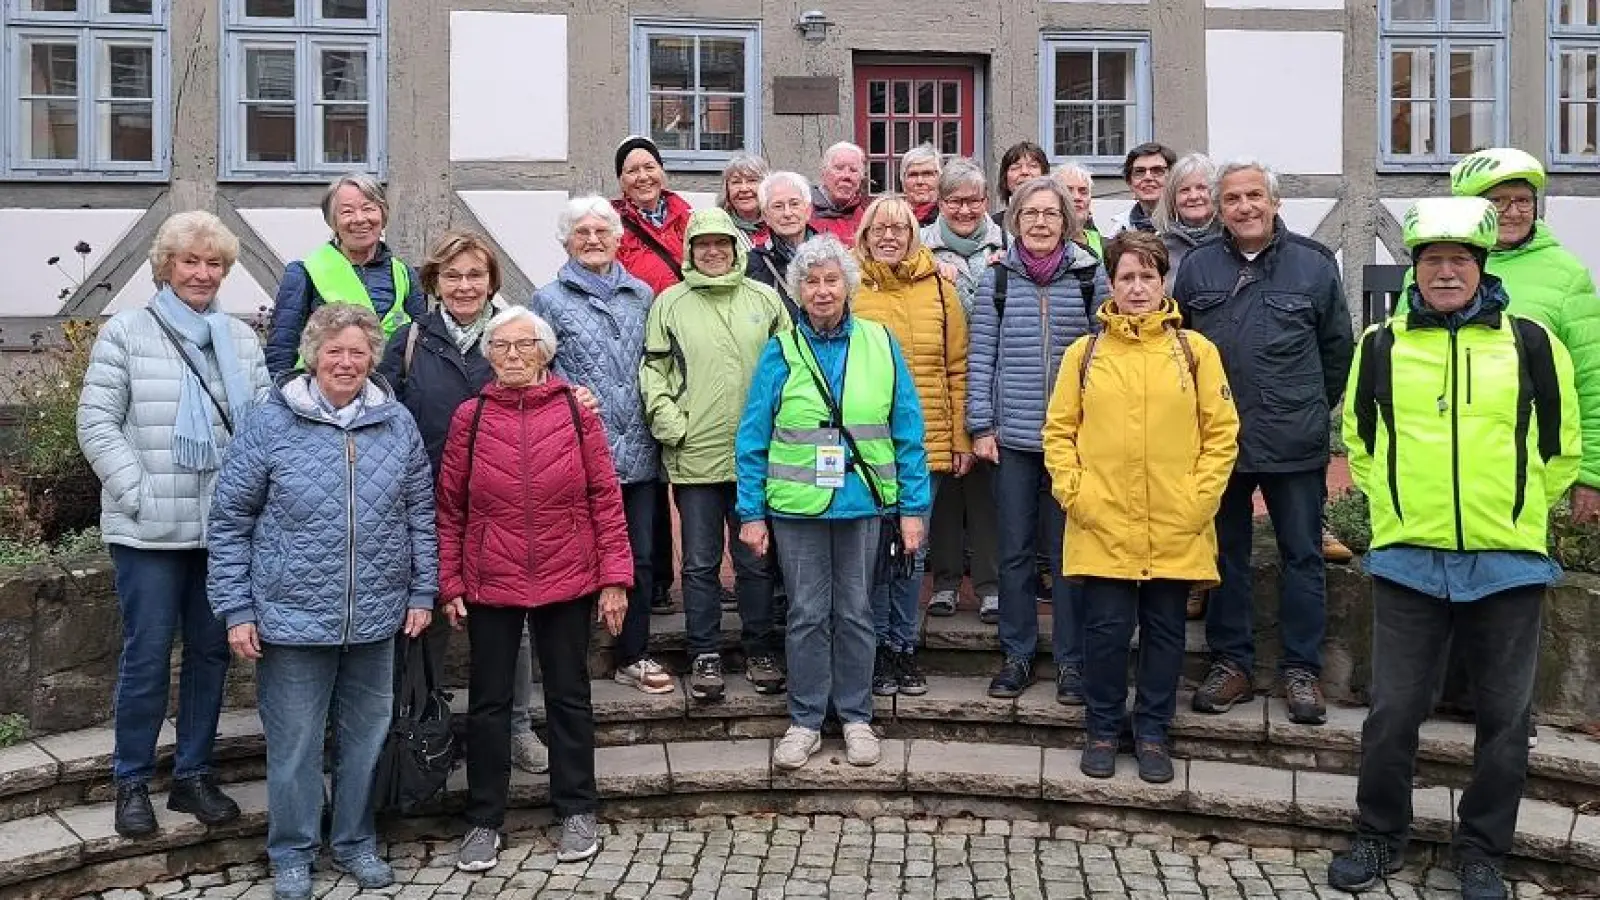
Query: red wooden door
899	107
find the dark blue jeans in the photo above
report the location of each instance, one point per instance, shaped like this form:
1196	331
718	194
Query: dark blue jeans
1294	500
161	592
1028	521
1110	610
639	508
1500	633
707	517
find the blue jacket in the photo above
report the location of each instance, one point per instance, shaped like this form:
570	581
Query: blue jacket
854	500
599	345
298	299
322	534
441	378
1012	364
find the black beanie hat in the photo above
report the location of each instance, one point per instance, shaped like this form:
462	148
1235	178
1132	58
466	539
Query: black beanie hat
635	142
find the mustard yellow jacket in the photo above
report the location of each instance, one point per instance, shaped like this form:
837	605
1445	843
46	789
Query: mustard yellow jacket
1139	449
923	312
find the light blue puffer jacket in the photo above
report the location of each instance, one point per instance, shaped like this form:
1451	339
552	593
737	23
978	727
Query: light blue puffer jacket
323	534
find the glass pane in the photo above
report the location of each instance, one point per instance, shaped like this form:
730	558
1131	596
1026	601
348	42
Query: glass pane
949	98
50	129
269	134
924	133
344	9
1411	11
126	72
671	63
722	64
1074	75
1579	12
722	123
127	132
269	73
269	9
1471	125
671	122
925	90
1116	75
52	70
878	176
130	7
1411	129
950	137
877	98
1579	77
902	98
1468	12
56	6
344	134
877	138
1411	73
902	138
1074	131
344	75
1577	129
1472	73
1111	126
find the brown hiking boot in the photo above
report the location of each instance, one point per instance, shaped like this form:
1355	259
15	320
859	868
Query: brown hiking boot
1225	686
1334	550
1303	692
1195	609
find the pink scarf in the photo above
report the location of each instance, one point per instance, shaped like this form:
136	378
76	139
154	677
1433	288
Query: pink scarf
1041	269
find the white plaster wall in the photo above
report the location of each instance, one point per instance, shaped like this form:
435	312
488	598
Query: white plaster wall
1381	254
1277	96
1304	215
32	236
1110	209
1275	4
240	294
508	86
291	233
523	223
1576	223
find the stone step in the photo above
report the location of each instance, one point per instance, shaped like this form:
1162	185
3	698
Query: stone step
74	851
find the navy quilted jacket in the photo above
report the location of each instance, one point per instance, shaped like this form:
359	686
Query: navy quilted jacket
1012	364
323	534
599	345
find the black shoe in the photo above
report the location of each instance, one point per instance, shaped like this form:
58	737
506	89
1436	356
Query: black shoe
1480	880
885	675
705	679
200	798
661	601
1016	673
1155	762
135	816
1368	861
764	675
908	676
1069	687
730	600
1099	759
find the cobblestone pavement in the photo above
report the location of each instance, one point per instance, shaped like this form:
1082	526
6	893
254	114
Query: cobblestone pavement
721	858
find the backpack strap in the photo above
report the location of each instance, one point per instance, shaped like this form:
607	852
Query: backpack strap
572	407
1086	291
1188	356
1001	281
472	446
1088	359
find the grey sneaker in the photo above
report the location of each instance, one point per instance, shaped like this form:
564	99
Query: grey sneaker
705	679
580	838
529	754
480	850
370	872
291	883
989	609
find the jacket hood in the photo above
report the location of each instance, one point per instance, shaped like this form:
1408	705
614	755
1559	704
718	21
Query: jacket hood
1141	327
569	279
990	235
714	221
1076	257
918	266
293	390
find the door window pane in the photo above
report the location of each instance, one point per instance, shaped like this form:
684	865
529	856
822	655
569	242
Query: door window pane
269	9
924	134
878	176
950	138
1074	75
902	98
877	98
269	133
925	91
671	63
722	64
344	9
902	138
949	98
877	138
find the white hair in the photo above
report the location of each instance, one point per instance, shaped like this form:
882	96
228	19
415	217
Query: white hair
1073	170
1241	164
370	188
795	180
820	251
922	153
1165	213
542	332
587	205
842	147
961	172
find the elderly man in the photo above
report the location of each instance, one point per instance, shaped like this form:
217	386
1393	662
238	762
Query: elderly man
919	181
842	197
1272	303
785	199
1463	433
1080	187
1145	171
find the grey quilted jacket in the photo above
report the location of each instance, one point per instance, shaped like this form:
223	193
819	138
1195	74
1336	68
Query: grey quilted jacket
323	534
599	345
126	415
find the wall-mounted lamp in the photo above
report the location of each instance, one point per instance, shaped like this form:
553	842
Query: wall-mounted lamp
813	25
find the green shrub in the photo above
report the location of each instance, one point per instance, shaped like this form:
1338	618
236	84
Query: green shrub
13	729
1349	521
16	552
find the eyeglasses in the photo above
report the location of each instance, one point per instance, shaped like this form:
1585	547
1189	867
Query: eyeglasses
454	278
595	234
1507	204
897	230
963	202
523	347
1039	215
1153	171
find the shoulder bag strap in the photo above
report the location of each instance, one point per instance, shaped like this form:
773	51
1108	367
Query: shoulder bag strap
577	424
227	420
411	351
856	462
654	246
472	446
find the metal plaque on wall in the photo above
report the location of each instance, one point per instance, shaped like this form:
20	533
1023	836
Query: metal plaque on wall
805	95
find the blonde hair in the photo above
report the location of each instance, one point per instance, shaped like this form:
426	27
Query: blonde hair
450	245
891	208
188	230
332	318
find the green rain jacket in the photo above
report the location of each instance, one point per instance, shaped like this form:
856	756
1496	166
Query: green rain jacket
702	340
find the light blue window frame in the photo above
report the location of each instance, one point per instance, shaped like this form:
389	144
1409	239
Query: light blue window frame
1571	38
308	34
643	29
1142	119
89	27
1442	35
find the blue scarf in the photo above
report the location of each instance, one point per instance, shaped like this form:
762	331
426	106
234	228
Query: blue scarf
194	444
599	286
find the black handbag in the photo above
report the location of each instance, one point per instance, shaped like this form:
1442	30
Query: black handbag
420	751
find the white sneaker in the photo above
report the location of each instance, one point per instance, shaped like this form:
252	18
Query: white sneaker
942	603
796	747
647	675
989	609
529	754
861	745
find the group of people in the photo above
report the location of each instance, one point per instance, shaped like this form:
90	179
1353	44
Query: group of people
843	393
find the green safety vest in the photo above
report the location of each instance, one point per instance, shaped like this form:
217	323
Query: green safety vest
337	282
803	422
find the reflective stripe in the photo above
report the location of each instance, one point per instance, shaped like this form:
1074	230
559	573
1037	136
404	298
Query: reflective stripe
828	436
886	473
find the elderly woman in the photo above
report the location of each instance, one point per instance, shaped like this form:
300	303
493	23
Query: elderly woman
919	181
741	179
168	387
1141	402
1022	162
355	267
322	550
827	490
901	289
1186	217
786	208
531	533
597	311
1057	287
1079	184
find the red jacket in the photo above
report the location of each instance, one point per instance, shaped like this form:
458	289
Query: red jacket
643	262
544	523
826	218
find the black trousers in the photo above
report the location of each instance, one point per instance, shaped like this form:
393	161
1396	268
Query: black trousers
561	644
661	545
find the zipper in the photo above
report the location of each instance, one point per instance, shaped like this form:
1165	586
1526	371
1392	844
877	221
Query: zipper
1455	448
522	458
350	536
1469	376
1044	338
